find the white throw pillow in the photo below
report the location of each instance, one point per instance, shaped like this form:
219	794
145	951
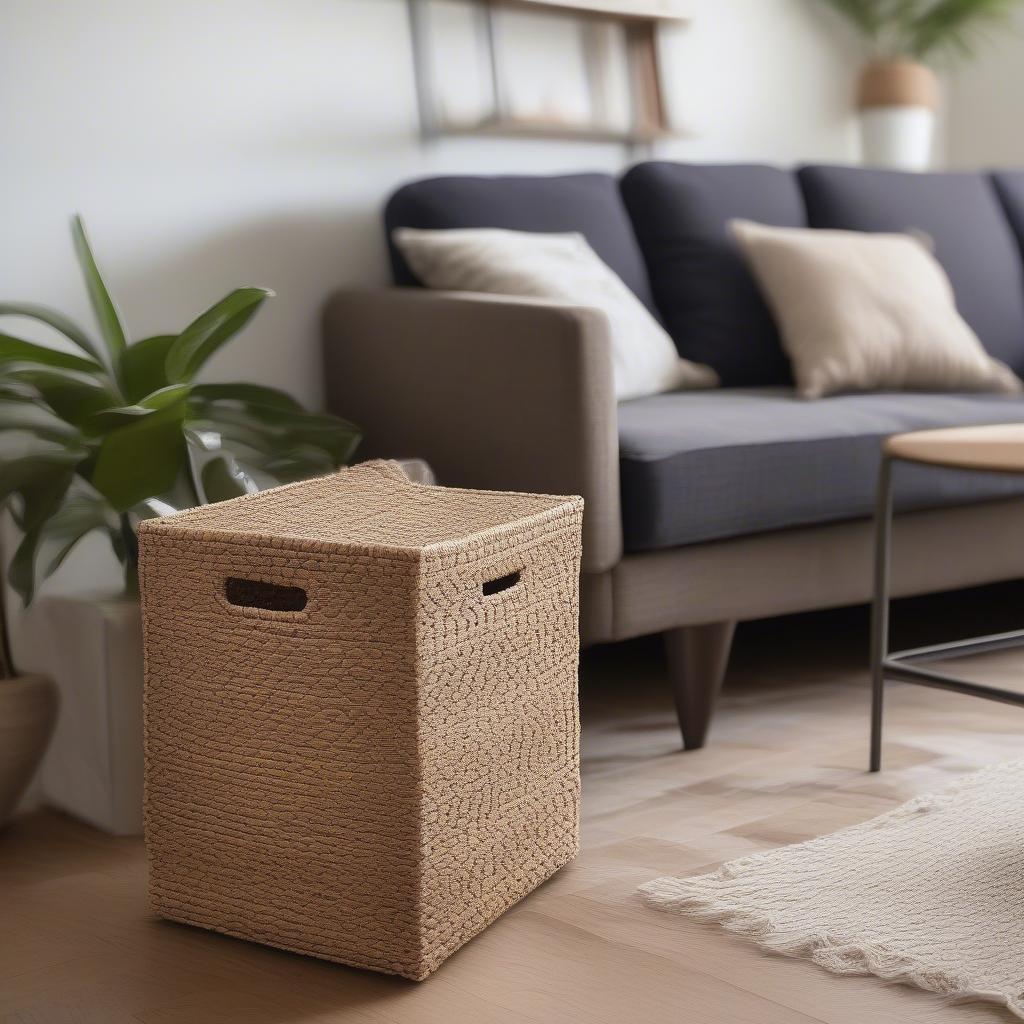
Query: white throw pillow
863	312
561	267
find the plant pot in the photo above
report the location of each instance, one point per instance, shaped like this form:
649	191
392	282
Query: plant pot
94	766
28	711
897	101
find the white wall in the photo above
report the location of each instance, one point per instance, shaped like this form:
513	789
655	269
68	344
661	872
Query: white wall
213	143
985	122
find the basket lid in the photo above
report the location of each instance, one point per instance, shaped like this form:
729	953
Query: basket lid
373	503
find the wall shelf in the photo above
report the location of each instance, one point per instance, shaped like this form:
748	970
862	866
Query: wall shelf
530	129
642	10
641	117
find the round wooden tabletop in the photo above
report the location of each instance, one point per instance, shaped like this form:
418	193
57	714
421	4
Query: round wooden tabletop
997	447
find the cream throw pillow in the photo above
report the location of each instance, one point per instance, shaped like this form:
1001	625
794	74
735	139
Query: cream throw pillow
865	312
561	267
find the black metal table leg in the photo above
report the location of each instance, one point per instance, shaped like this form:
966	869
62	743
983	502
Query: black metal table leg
880	608
899	664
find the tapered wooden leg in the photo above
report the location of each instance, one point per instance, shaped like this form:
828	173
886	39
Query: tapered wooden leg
697	657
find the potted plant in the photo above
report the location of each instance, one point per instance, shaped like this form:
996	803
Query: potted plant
96	439
899	92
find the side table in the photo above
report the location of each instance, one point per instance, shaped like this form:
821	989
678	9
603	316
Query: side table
990	449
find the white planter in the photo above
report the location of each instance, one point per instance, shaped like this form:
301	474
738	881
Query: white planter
898	137
898	98
93	769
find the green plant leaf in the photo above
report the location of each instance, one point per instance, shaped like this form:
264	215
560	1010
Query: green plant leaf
301	463
52	318
35	418
37	469
103	306
79	515
41	499
143	369
141	459
953	26
247	394
14	349
220	480
118	416
21	572
72	394
278	431
216	474
866	15
212	329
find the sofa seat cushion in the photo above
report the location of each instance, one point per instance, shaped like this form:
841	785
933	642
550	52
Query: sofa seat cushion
705	466
961	213
588	204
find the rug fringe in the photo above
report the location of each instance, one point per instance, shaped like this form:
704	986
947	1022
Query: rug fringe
840	956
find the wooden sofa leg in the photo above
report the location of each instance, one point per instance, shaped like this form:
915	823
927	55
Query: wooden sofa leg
697	657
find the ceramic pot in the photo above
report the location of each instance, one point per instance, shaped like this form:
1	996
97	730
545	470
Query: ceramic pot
28	712
898	100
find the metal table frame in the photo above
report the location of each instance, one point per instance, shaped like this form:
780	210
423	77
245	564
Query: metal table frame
903	665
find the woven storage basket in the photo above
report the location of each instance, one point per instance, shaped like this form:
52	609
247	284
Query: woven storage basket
362	734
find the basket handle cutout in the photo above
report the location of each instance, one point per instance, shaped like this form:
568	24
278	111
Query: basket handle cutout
496	586
274	597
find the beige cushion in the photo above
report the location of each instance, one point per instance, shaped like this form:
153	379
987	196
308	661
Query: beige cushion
561	267
864	312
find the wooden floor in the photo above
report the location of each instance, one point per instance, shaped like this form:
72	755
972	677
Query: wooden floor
785	762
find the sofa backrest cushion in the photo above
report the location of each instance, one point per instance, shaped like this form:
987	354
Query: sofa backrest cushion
1010	189
708	298
586	203
962	215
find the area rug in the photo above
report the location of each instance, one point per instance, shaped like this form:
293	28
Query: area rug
931	893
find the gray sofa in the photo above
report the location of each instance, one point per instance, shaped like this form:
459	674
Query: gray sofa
702	508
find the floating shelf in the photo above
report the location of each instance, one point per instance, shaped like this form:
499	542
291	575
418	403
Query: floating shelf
556	130
638	22
643	10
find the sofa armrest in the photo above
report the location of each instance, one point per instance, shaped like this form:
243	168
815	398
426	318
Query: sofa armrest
494	392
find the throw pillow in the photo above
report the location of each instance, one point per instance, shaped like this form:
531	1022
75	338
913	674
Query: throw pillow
562	267
862	312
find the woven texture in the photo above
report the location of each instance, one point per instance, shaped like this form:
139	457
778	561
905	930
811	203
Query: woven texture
931	893
376	777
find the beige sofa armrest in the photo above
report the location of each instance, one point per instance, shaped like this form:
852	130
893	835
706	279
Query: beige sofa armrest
494	392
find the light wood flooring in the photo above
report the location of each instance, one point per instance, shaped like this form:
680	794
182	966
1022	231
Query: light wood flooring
786	761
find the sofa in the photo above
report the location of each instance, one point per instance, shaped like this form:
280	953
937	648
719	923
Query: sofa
703	508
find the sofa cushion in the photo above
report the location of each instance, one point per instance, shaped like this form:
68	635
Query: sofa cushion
1009	187
866	311
586	203
708	465
962	215
707	296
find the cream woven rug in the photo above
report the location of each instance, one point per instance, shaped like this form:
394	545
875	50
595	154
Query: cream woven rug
931	893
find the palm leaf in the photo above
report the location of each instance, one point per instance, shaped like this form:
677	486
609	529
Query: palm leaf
16	350
119	416
953	26
247	394
869	17
53	319
141	459
72	394
40	499
143	366
80	514
34	418
103	306
207	333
